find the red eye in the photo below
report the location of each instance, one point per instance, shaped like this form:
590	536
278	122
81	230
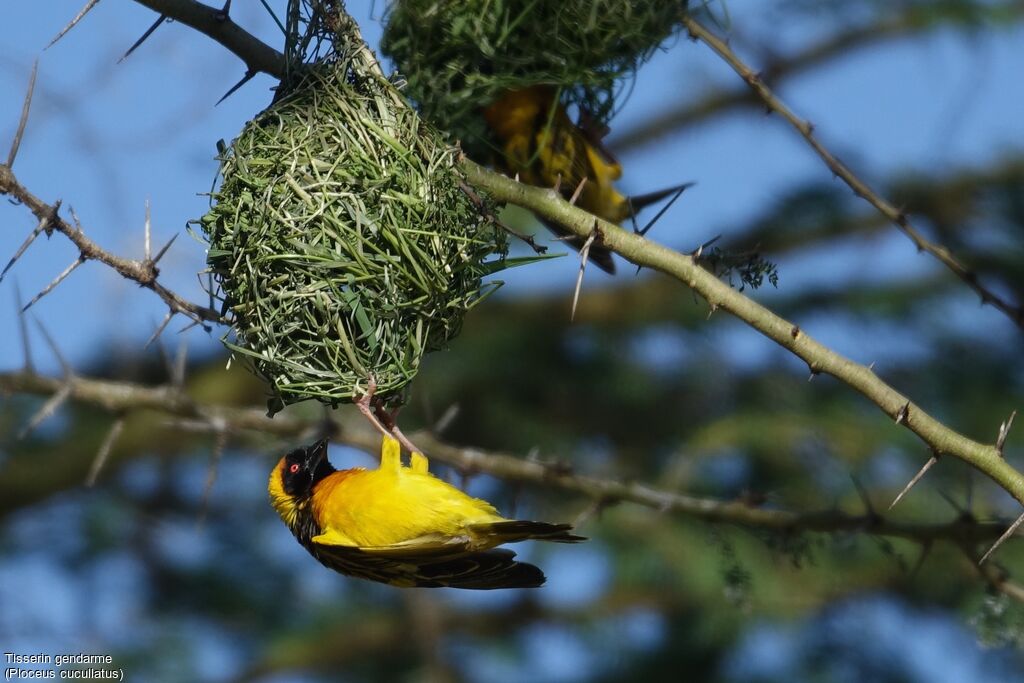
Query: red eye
294	467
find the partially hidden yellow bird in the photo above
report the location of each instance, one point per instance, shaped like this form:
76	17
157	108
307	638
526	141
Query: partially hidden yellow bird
402	525
542	147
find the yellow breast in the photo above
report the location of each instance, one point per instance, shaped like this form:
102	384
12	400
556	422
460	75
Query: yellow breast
382	507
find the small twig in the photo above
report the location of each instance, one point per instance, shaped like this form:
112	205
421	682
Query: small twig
911	20
859	187
491	218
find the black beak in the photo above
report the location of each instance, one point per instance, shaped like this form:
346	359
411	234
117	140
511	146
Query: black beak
315	454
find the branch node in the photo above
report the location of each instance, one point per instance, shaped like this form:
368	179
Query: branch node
903	414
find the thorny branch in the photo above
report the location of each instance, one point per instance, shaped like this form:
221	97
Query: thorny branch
940	438
215	23
911	20
819	358
1014	312
144	271
123	398
245	44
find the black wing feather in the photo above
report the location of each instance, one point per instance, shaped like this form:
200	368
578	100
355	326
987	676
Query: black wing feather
485	570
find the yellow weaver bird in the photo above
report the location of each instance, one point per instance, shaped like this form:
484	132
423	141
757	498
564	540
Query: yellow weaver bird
544	148
401	525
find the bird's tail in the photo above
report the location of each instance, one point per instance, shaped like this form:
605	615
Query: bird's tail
512	531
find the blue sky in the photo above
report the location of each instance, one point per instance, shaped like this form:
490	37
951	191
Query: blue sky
107	137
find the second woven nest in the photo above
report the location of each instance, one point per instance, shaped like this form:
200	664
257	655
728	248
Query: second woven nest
458	56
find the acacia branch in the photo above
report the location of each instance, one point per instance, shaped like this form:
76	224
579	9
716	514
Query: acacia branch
642	252
124	398
144	272
819	358
216	24
1014	312
912	21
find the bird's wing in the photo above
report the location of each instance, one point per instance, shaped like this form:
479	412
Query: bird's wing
431	565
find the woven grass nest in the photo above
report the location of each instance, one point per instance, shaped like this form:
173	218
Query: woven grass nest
340	239
458	56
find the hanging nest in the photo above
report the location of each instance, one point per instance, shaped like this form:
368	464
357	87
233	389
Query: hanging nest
458	56
340	239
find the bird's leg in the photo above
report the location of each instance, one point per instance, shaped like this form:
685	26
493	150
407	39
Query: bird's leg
387	418
364	404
